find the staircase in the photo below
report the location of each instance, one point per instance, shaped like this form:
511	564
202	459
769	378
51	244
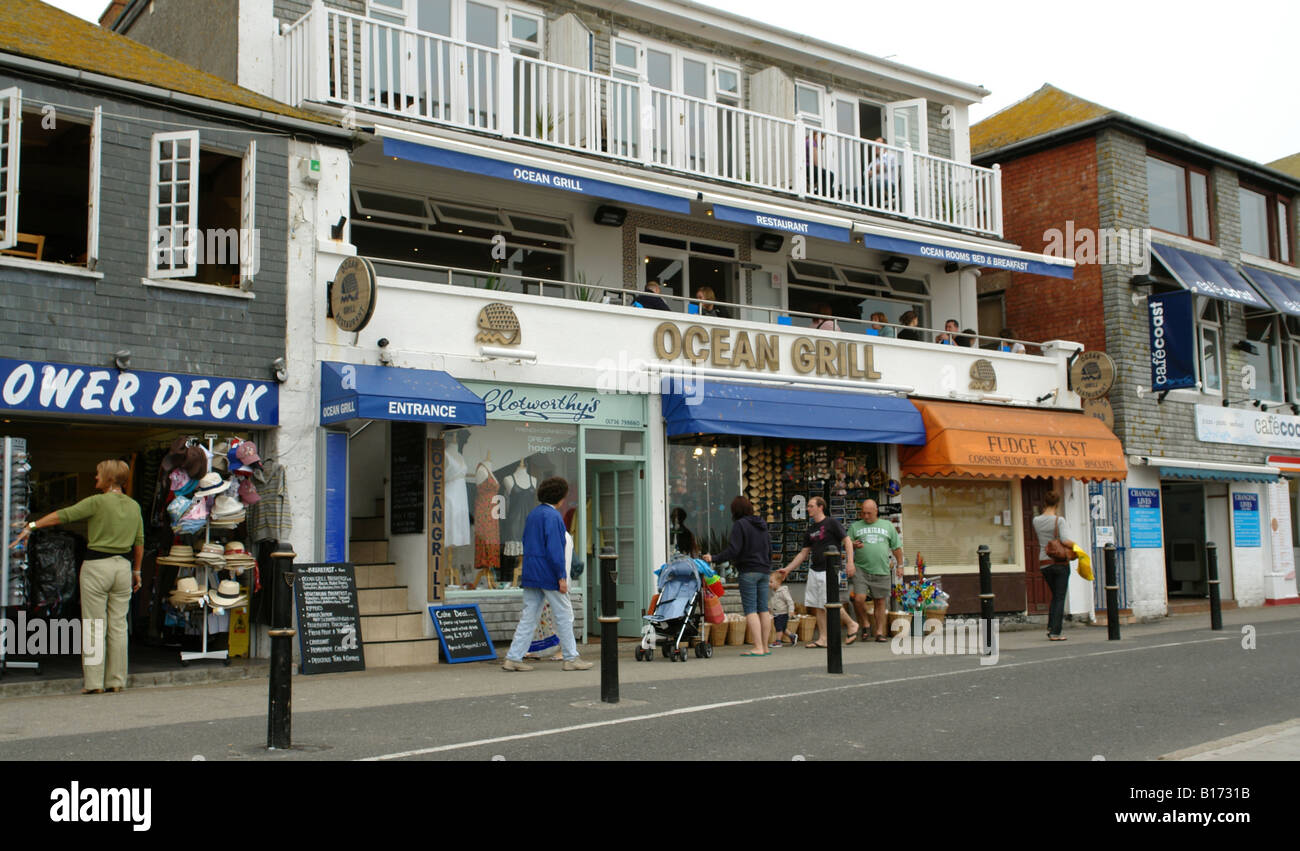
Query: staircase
391	634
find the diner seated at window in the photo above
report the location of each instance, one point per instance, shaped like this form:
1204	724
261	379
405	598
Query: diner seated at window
950	331
909	320
650	298
882	175
825	320
708	304
878	322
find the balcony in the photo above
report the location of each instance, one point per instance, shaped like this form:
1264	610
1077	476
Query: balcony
353	62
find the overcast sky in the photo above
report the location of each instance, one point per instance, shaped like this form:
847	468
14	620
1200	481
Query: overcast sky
1221	73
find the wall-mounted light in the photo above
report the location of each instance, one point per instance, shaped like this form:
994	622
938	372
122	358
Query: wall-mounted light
769	242
1245	346
122	359
610	216
1142	281
280	370
522	355
385	356
336	230
896	265
951	266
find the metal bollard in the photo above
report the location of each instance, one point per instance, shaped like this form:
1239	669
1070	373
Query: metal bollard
1212	562
986	599
1112	595
279	714
608	625
834	650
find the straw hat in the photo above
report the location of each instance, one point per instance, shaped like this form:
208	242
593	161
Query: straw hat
180	555
210	484
186	593
227	595
237	559
212	555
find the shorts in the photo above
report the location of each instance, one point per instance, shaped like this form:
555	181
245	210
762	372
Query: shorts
779	622
873	585
754	592
814	593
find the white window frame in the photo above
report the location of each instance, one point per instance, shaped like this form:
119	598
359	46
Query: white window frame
807	117
726	98
518	46
1278	351
11	122
891	129
191	266
249	244
1215	327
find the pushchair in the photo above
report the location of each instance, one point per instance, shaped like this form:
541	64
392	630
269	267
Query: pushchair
675	623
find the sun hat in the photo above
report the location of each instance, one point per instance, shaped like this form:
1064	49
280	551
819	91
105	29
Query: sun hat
187	592
180	555
226	507
211	484
227	594
175	455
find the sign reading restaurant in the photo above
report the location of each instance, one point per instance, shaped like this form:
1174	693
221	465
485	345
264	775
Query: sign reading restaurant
738	348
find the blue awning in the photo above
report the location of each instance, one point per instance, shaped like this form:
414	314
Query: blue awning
792	223
1208	276
970	254
1199	475
351	391
524	170
1282	291
716	407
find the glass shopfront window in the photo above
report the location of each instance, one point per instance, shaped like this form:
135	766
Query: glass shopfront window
492	474
703	479
947	520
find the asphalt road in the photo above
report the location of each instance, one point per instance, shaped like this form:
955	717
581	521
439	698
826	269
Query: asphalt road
1163	688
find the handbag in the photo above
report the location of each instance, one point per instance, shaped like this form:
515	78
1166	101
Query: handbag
713	608
1056	548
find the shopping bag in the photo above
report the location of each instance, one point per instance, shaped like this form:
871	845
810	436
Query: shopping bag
713	608
1085	562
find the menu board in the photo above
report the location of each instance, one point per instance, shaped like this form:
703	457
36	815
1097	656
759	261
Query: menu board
329	620
461	633
406	475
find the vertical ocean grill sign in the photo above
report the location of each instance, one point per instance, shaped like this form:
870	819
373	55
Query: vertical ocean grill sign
1173	340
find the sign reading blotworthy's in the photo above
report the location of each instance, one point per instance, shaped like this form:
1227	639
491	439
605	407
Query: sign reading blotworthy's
329	619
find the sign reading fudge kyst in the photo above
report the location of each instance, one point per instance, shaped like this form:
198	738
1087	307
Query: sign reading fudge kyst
329	619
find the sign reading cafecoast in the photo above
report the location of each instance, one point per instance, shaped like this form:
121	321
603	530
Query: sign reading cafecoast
1250	428
726	347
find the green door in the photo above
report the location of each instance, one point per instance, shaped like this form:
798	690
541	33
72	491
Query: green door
615	490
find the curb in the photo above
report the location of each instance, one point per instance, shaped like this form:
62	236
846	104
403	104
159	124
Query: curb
37	685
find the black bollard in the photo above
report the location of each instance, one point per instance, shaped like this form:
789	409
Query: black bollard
1212	562
1112	595
279	714
834	650
986	599
608	625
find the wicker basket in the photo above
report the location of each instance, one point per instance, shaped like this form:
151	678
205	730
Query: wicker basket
936	614
905	617
807	627
736	633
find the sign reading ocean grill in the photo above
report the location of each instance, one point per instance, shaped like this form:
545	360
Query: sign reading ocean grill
57	388
725	347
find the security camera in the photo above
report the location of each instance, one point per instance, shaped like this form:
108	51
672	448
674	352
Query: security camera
383	342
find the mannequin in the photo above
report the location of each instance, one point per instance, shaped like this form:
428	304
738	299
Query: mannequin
487	526
456	497
520	488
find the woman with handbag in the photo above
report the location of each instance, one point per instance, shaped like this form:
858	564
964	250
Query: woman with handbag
750	551
1055	549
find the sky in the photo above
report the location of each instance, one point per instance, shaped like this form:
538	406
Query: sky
1221	73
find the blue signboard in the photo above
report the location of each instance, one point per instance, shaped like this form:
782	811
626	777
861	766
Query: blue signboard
59	388
1144	518
524	173
1245	519
789	224
986	257
359	391
1173	340
336	496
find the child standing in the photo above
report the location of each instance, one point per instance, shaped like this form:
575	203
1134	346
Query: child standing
781	605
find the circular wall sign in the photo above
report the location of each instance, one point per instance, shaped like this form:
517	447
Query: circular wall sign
352	295
1101	409
1092	375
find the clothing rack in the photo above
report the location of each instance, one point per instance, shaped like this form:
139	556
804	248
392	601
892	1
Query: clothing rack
14	467
204	653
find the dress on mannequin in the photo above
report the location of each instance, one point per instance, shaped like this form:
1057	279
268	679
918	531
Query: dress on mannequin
487	528
457	499
521	496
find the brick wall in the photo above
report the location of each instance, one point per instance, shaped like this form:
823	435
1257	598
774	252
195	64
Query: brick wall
1040	192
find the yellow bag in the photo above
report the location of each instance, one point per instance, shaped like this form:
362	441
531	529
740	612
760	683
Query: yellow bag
1085	562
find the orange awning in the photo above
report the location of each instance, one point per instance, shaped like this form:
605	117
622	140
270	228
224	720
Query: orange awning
1011	443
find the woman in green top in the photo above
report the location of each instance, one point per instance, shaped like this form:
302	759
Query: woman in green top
107	579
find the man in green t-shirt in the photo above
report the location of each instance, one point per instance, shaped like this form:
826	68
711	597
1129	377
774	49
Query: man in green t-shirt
874	540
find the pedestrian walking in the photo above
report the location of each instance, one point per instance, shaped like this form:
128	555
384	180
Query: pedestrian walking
823	533
115	527
1056	571
782	605
874	541
750	550
543	579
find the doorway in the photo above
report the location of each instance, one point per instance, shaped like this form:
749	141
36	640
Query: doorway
1184	520
683	268
616	496
1038	596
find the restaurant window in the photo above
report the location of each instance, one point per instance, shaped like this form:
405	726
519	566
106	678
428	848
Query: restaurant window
946	520
1178	197
1291	352
703	479
1265	224
1262	333
1210	332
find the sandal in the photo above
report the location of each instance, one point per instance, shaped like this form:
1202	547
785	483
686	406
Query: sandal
1057	638
850	639
882	638
815	646
752	653
114	690
92	691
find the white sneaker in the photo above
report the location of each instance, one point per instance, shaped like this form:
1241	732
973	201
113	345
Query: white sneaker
577	665
512	665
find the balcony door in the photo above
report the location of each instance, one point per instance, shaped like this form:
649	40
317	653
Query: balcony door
905	121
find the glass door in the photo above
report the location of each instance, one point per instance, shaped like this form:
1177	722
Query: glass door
615	496
670	269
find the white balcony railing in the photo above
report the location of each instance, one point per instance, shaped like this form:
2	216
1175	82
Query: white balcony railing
352	61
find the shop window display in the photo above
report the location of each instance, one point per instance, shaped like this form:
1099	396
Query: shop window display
703	478
948	520
492	474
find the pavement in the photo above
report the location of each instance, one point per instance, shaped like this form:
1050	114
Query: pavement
160	691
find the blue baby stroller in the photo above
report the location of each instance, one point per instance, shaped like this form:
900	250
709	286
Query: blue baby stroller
675	624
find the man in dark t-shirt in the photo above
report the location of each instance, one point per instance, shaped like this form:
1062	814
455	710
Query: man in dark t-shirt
823	533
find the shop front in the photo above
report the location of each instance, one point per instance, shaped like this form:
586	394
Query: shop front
980	479
171	429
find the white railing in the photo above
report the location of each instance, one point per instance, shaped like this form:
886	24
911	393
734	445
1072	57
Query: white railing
358	62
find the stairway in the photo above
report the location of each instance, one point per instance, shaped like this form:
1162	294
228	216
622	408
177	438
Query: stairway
391	634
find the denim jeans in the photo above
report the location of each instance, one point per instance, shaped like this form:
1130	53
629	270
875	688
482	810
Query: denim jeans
1057	577
754	592
561	608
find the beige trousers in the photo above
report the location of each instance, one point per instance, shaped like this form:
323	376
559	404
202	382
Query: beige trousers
105	599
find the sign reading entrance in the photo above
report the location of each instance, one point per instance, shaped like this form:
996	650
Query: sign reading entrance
329	619
462	634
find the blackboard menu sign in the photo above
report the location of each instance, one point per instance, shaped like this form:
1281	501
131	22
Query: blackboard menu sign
406	476
461	631
329	621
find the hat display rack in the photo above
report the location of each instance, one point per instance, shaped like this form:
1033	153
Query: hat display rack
195	474
14	469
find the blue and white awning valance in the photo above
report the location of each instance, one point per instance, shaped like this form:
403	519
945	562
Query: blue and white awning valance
1208	276
350	391
1282	291
963	252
